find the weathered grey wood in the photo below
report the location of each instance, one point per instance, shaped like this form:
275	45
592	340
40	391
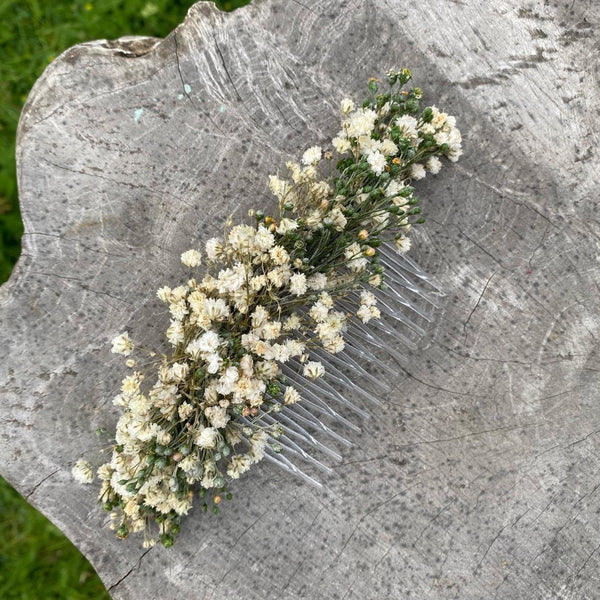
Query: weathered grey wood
481	477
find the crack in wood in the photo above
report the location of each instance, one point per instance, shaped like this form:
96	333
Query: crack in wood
37	485
112	587
466	323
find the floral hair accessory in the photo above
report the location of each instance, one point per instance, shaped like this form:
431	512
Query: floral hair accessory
269	308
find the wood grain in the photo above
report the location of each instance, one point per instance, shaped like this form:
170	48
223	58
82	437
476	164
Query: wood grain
480	477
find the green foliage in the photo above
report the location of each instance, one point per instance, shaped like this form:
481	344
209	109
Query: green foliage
33	33
36	560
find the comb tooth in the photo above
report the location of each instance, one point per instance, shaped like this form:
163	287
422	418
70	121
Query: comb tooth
334	372
315	401
399	280
356	346
384	327
324	385
407	269
348	335
342	380
405	303
364	335
409	265
395	314
296	430
395	297
301	415
356	368
402	261
378	324
406	274
323	389
283	463
415	302
290	446
386	309
317	404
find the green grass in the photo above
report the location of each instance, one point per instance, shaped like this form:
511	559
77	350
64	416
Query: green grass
36	561
33	33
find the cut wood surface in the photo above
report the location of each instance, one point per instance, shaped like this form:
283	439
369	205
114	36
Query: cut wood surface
480	476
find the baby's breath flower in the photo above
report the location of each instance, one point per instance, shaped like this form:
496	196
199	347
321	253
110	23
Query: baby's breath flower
317	282
164	294
347	105
274	290
313	370
338	219
375	280
433	164
191	258
278	186
408	127
298	284
312	156
122	344
286	225
361	122
207	438
82	472
239	464
368	298
175	333
264	239
214	249
341	144
291	396
402	244
217	415
417	171
279	255
377	162
388	148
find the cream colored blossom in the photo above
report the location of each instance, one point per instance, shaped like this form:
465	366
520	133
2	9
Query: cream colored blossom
377	162
347	105
402	244
417	171
207	438
191	258
298	284
313	370
312	156
291	395
122	344
433	165
82	472
286	225
341	144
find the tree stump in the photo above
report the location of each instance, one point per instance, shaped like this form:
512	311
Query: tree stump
480	478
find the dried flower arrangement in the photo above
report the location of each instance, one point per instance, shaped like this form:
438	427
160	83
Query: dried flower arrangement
244	333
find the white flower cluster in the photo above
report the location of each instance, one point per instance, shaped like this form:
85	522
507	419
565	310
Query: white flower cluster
82	471
269	295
